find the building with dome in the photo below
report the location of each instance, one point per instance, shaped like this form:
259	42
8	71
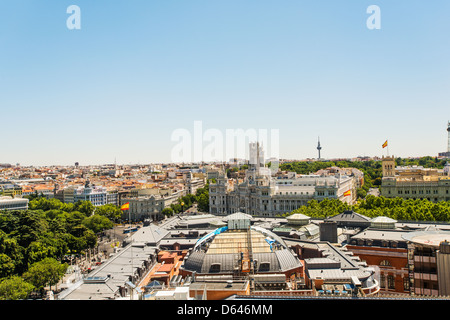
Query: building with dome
241	251
240	248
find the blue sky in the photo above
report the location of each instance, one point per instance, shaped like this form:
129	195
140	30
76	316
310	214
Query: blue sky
138	70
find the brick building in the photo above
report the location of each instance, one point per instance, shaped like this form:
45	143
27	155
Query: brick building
386	250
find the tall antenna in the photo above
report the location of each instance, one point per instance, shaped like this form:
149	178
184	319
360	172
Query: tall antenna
448	130
318	146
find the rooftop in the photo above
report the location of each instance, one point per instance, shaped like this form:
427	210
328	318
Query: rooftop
427	238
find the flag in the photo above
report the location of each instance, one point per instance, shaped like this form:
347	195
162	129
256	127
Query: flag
384	144
126	206
347	193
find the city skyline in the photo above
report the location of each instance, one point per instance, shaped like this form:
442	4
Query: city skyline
118	87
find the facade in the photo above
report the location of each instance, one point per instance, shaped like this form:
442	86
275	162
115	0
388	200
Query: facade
97	195
192	183
149	206
66	195
10	189
428	262
387	251
334	271
8	203
415	182
261	194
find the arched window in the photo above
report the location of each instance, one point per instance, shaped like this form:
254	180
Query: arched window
385	263
215	267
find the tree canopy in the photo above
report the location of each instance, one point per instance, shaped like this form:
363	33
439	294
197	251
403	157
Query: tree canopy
34	242
371	206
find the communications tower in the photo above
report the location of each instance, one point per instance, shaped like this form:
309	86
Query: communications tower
447	153
448	143
319	147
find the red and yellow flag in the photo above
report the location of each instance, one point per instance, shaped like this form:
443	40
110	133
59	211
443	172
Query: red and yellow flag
347	193
384	144
125	206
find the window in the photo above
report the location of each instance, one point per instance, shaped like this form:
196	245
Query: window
215	267
382	281
385	263
391	282
406	284
264	266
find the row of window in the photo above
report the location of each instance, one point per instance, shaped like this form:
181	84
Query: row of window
13	206
379	243
389	282
262	267
418	191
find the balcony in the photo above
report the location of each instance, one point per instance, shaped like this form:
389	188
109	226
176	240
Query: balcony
425	276
424	259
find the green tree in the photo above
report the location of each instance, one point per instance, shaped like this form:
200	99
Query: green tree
85	207
109	211
7	266
10	248
203	202
90	239
74	244
31	225
14	288
73	220
361	193
98	223
38	251
167	212
45	273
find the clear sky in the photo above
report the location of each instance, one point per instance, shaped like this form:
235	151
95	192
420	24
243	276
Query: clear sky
137	70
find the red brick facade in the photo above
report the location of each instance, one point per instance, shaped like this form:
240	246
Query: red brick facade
391	262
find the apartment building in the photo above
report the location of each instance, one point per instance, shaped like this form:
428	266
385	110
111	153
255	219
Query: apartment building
97	195
10	189
429	262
